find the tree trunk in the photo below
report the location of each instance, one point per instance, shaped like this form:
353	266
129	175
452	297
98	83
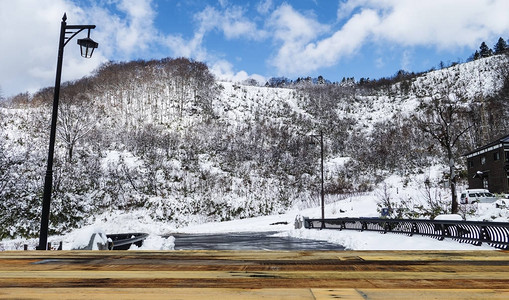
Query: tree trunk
452	182
69	152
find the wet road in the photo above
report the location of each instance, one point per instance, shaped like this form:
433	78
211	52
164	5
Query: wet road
248	241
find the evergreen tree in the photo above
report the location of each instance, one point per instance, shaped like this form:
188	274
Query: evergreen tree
474	56
485	51
500	46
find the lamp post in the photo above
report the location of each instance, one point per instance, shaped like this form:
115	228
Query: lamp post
320	136
87	45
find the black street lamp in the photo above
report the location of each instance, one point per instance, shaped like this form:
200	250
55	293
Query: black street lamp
67	32
320	136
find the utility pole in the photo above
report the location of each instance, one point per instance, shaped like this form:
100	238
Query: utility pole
322	190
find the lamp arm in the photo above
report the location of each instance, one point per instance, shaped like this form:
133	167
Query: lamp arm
80	29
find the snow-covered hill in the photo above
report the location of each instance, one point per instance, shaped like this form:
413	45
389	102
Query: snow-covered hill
174	150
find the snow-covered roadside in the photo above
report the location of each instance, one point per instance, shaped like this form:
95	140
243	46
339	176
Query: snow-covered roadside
358	206
111	223
354	240
350	239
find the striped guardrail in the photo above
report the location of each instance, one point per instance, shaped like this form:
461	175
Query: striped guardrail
495	234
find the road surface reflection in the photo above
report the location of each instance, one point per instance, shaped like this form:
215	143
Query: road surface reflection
248	241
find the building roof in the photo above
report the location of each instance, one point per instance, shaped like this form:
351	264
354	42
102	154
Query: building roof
500	142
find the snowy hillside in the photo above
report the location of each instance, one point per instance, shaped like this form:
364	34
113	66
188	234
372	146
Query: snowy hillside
242	104
172	149
480	78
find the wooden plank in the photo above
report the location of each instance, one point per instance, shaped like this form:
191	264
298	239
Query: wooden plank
406	294
255	294
449	294
157	293
237	276
256	274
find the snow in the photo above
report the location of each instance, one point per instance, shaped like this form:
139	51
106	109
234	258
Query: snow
449	217
81	238
241	102
283	224
353	240
113	158
154	242
350	239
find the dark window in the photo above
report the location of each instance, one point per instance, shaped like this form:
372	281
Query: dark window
470	163
496	155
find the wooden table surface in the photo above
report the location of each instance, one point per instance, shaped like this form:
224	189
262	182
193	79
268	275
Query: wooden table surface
254	275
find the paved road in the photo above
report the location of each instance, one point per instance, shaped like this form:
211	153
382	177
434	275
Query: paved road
248	241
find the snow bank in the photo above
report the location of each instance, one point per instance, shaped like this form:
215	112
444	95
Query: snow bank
154	242
88	238
449	217
354	240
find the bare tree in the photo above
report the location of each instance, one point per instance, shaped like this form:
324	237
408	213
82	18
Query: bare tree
20	100
76	119
442	120
194	85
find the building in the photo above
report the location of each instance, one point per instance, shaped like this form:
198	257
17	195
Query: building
488	166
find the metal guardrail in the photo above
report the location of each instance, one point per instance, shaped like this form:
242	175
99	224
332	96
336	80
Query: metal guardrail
495	234
123	241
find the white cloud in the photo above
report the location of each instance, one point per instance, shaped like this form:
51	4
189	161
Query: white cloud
290	26
263	7
129	33
137	31
406	58
223	70
302	52
231	21
298	42
446	24
31	29
187	48
223	3
126	31
443	24
379	62
347	7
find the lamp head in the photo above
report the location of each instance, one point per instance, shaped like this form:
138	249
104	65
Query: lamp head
87	46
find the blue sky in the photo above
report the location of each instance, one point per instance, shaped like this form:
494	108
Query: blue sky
254	38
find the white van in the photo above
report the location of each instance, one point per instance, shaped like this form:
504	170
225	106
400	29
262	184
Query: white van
477	195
